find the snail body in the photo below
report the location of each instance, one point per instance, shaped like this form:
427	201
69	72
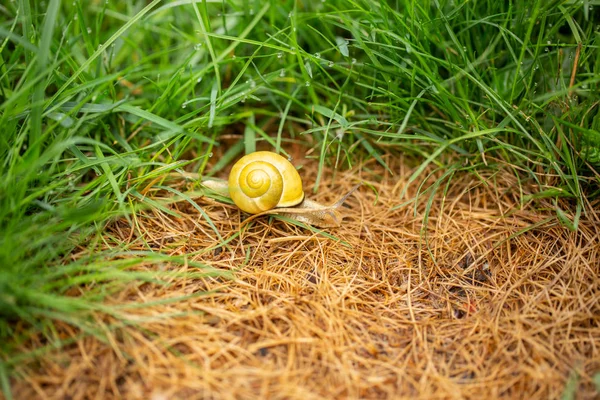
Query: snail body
264	180
265	183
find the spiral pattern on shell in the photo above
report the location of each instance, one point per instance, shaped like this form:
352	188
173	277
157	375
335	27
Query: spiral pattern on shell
264	180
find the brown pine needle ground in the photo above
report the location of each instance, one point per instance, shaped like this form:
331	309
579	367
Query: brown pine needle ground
472	310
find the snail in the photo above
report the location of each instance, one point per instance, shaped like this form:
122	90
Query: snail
264	182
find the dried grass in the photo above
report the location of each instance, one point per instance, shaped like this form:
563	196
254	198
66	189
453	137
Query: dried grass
475	310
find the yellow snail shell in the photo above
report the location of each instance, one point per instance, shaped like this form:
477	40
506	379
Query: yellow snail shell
264	180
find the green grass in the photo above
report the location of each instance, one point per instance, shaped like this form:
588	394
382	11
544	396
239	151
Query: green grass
97	99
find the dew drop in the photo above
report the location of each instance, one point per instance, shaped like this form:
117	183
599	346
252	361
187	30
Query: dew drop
279	55
198	46
210	154
317	55
307	83
89	30
199	80
330	64
282	73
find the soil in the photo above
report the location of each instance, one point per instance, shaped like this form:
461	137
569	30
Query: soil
462	292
